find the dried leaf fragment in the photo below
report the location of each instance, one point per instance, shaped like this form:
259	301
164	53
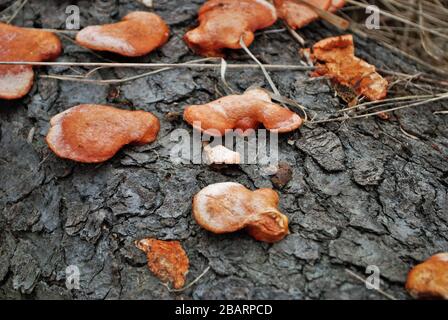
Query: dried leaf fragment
166	259
243	112
229	207
22	44
430	278
95	133
137	34
335	58
222	23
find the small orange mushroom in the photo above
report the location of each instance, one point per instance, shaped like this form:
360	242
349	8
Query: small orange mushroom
22	44
166	259
298	15
430	278
336	59
242	112
94	133
228	207
222	23
137	34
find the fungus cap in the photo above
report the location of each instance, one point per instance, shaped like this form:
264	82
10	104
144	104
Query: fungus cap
222	23
228	207
95	133
241	112
430	278
298	15
22	44
136	35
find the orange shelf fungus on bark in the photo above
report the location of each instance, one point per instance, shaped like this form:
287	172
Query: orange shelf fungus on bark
298	15
222	23
166	259
136	35
94	133
22	44
229	207
335	58
430	278
242	112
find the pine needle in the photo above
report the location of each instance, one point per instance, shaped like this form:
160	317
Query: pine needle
346	117
191	283
14	15
356	276
273	67
263	67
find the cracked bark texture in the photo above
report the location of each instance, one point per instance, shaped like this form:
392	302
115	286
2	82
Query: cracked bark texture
362	193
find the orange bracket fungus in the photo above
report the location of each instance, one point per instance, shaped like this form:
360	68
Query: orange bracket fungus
298	15
222	23
242	112
166	259
336	59
137	34
228	207
430	278
94	133
22	44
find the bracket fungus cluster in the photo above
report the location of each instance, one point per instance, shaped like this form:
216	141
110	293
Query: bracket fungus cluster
430	278
335	58
222	23
136	35
166	259
298	15
22	44
243	112
229	207
95	133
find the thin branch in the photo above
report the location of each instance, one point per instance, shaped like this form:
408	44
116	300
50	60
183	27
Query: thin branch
263	67
440	97
419	77
159	65
356	276
17	12
83	78
393	48
326	15
381	102
191	283
407	134
60	31
223	75
270	31
295	35
286	101
401	19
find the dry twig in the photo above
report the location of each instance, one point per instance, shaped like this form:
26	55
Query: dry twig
356	276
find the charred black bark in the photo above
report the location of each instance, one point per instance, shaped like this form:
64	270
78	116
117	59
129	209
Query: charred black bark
362	192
